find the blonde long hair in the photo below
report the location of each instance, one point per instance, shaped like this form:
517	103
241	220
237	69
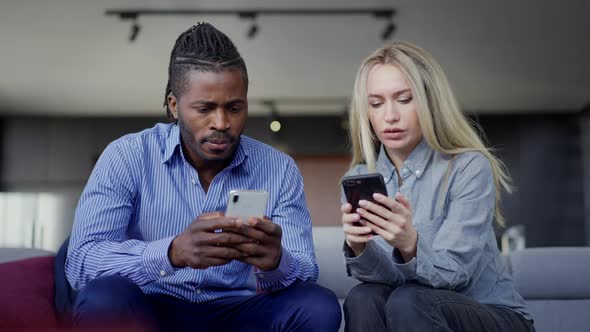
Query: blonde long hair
444	127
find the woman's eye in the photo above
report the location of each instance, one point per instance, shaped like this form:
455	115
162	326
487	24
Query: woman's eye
404	100
375	105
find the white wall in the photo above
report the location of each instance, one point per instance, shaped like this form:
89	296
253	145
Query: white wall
35	220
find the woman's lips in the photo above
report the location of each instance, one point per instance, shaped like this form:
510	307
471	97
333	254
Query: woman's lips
393	133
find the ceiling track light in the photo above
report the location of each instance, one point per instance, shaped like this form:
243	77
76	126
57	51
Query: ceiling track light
252	14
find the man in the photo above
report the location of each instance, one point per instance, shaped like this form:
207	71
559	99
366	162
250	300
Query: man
151	246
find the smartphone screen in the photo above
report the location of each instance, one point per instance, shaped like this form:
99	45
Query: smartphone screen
363	186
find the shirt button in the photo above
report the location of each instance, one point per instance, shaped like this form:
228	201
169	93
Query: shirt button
418	172
194	181
162	272
199	291
386	179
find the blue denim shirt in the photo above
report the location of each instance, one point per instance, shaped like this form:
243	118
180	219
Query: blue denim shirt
453	203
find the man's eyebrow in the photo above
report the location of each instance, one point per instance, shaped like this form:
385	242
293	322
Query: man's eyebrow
202	102
210	103
236	101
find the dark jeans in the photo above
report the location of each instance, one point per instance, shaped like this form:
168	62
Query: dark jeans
413	307
115	301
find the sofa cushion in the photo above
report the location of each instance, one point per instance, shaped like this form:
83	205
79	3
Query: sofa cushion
27	293
560	315
552	272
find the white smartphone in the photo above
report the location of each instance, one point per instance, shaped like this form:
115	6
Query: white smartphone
246	203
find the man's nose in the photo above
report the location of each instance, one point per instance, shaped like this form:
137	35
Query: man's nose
220	120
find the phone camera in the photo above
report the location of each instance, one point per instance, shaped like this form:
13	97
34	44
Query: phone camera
236	197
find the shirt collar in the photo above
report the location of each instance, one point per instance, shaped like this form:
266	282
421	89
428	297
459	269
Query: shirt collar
418	158
173	141
416	162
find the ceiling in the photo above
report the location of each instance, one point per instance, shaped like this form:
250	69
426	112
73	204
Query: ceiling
65	57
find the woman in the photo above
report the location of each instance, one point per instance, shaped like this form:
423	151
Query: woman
435	264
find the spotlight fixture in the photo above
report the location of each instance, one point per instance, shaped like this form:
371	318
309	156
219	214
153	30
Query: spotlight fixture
253	29
275	124
388	31
135	28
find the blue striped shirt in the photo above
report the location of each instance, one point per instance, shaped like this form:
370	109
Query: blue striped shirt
143	192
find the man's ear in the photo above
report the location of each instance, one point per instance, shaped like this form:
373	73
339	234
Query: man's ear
173	105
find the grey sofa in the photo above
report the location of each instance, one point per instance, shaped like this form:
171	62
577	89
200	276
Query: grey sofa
555	282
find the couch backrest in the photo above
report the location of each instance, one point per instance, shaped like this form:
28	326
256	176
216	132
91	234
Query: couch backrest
554	281
552	272
328	242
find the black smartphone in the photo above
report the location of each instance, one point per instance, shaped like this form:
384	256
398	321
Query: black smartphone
357	187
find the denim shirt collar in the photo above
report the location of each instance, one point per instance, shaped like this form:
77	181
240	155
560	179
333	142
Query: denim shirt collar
416	162
173	145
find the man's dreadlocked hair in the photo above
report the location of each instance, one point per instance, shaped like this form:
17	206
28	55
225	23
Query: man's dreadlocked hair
203	48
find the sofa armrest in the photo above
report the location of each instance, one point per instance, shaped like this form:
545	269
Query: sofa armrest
15	254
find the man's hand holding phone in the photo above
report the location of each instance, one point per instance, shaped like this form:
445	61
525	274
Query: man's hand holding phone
265	249
241	233
201	245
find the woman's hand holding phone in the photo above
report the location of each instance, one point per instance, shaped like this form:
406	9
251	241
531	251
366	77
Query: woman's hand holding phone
392	219
356	234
